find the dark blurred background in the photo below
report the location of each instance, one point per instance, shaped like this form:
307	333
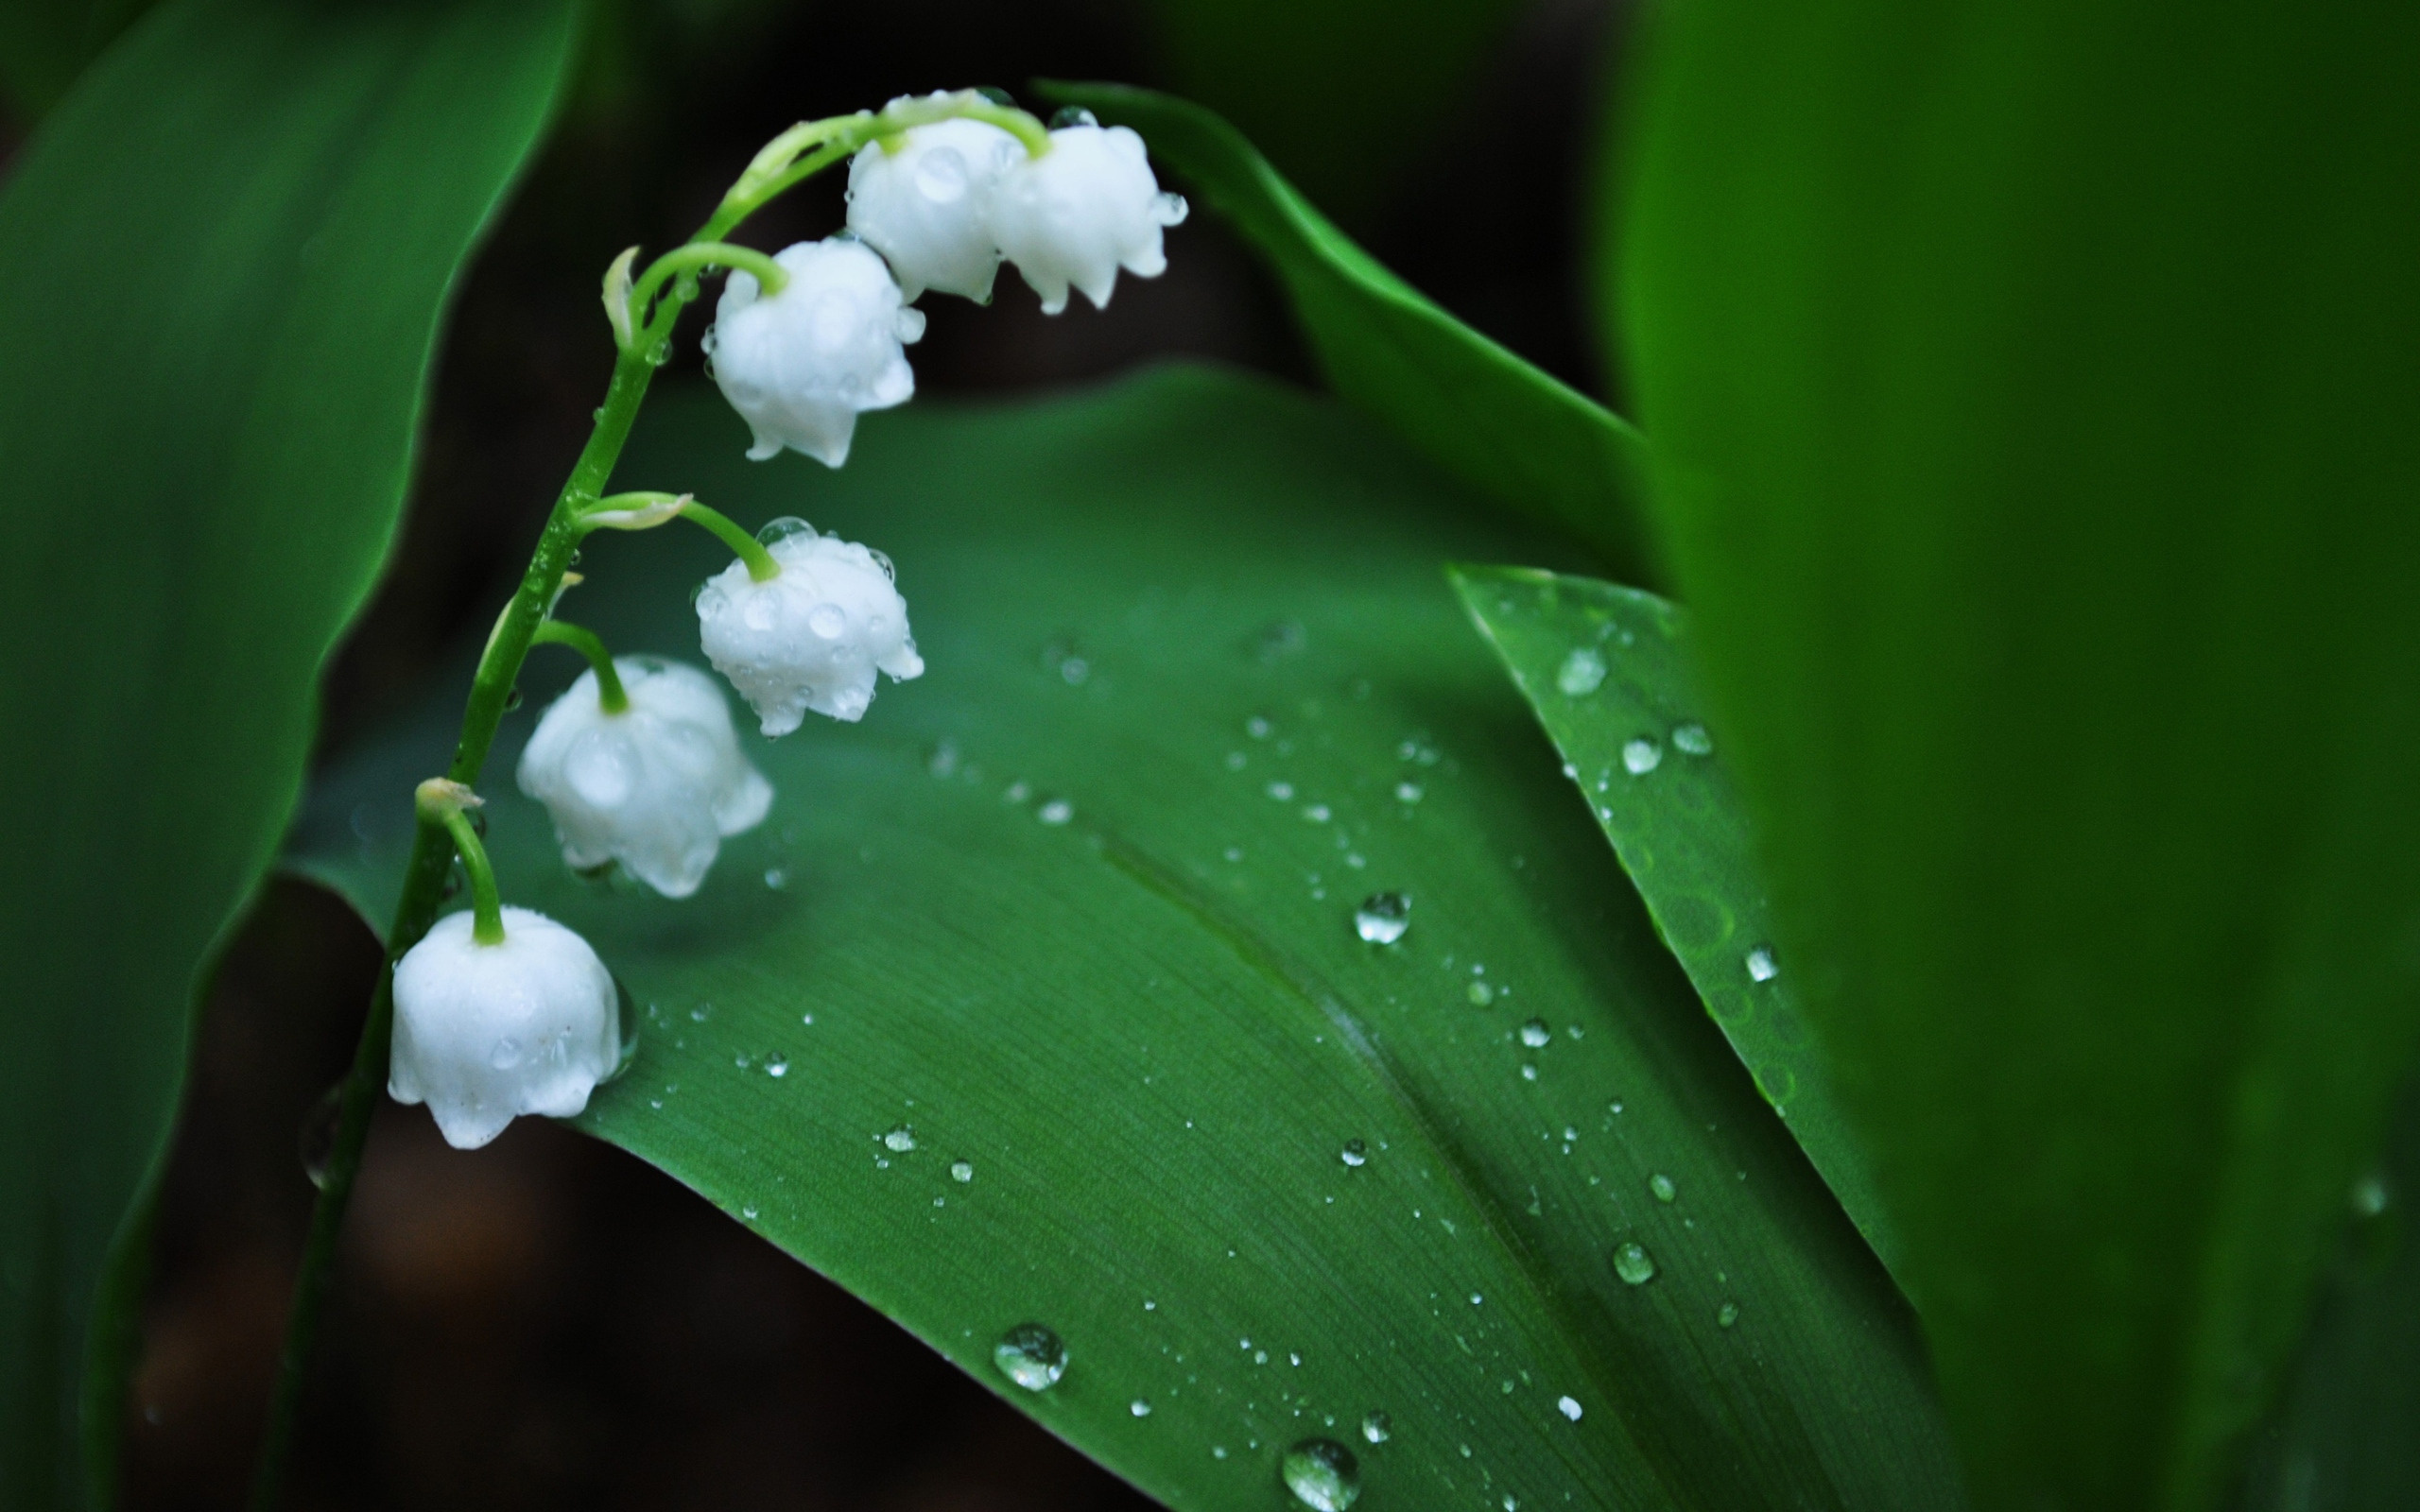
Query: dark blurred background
549	1323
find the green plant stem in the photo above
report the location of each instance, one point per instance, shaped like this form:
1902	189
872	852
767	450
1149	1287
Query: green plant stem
762	568
696	257
487	905
610	694
424	892
507	646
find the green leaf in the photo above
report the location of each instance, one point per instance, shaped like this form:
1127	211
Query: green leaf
1509	431
222	262
1604	668
1347	95
1146	1019
45	44
2033	393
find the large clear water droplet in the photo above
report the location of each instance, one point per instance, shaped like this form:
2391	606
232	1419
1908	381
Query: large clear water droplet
941	175
830	621
1032	1355
1634	1265
1569	1407
1536	1035
776	531
1641	756
1323	1474
1382	917
1140	1406
1377	1427
1355	1152
1581	672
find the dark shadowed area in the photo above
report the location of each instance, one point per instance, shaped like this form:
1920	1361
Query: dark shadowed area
547	1322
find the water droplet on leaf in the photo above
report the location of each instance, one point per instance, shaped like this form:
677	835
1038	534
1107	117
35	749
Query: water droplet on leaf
1032	1355
901	1139
1642	756
1634	1265
1377	1427
1382	917
1323	1474
1355	1152
1581	672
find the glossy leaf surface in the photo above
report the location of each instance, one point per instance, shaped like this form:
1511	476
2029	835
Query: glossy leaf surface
1605	669
1508	430
222	262
2032	391
1078	909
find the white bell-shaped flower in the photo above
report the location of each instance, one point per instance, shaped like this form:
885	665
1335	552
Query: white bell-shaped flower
800	365
924	202
1081	212
811	638
486	1033
655	786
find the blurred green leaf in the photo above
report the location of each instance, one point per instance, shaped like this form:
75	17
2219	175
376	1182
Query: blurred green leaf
223	261
1078	908
1345	95
1510	431
45	44
2033	390
1604	668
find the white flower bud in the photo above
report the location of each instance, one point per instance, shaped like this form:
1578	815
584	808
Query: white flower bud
1081	212
924	203
811	638
486	1033
799	365
655	786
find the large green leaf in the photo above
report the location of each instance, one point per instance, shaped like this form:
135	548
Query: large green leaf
1605	669
1078	908
1505	428
221	266
45	44
2033	392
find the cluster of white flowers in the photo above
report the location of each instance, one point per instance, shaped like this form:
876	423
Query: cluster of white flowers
641	767
943	203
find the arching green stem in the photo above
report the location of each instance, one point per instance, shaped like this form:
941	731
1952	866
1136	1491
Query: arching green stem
762	568
449	803
610	695
696	257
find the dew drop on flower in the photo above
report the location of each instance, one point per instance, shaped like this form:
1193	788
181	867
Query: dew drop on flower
1634	1265
1581	672
1323	1474
1032	1355
1382	917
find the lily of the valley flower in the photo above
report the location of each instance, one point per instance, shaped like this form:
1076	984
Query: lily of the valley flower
485	1033
656	785
924	202
1081	212
812	637
801	364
